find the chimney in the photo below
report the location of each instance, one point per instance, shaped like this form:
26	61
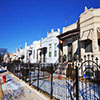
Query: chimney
47	33
52	30
58	30
16	50
25	44
41	38
86	8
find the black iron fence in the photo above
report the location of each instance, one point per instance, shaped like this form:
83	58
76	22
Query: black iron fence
62	81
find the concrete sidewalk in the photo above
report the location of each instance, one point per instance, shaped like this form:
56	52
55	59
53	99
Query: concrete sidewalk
16	89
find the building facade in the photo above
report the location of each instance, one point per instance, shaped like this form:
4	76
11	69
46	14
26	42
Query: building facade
82	37
49	47
43	51
34	55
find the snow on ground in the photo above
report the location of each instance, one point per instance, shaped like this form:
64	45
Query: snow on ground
62	89
12	89
11	84
15	89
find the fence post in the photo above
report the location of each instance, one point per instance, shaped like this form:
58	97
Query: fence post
29	74
77	84
51	97
19	70
23	72
14	68
38	79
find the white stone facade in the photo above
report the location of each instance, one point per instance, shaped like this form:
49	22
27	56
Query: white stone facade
49	47
34	57
88	28
34	53
89	25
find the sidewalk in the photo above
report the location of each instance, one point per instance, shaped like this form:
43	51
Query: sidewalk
16	89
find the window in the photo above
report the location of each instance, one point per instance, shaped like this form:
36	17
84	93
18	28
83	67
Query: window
99	44
88	46
55	50
50	50
69	51
70	48
30	52
34	54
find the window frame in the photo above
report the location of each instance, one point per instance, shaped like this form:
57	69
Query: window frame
99	44
55	49
34	54
50	50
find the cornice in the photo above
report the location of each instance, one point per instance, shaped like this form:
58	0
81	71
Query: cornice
89	24
90	19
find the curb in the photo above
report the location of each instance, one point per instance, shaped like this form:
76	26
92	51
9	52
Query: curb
1	92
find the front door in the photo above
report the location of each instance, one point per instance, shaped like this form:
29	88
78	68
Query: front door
43	55
40	56
70	52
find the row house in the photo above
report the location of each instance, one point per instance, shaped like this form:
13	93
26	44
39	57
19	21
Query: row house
24	54
7	57
43	51
49	47
21	54
34	55
82	37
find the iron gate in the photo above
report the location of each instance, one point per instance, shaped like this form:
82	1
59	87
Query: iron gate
77	81
88	79
64	81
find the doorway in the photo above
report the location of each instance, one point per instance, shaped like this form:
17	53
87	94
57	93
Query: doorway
69	51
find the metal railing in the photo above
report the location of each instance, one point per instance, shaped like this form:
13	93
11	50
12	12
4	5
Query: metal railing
62	81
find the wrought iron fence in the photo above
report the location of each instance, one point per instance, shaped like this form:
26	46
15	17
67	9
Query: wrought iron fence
63	81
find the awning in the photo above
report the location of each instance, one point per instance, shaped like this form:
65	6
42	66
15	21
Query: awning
42	48
98	32
86	35
69	34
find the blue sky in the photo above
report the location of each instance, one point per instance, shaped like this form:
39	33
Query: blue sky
29	20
